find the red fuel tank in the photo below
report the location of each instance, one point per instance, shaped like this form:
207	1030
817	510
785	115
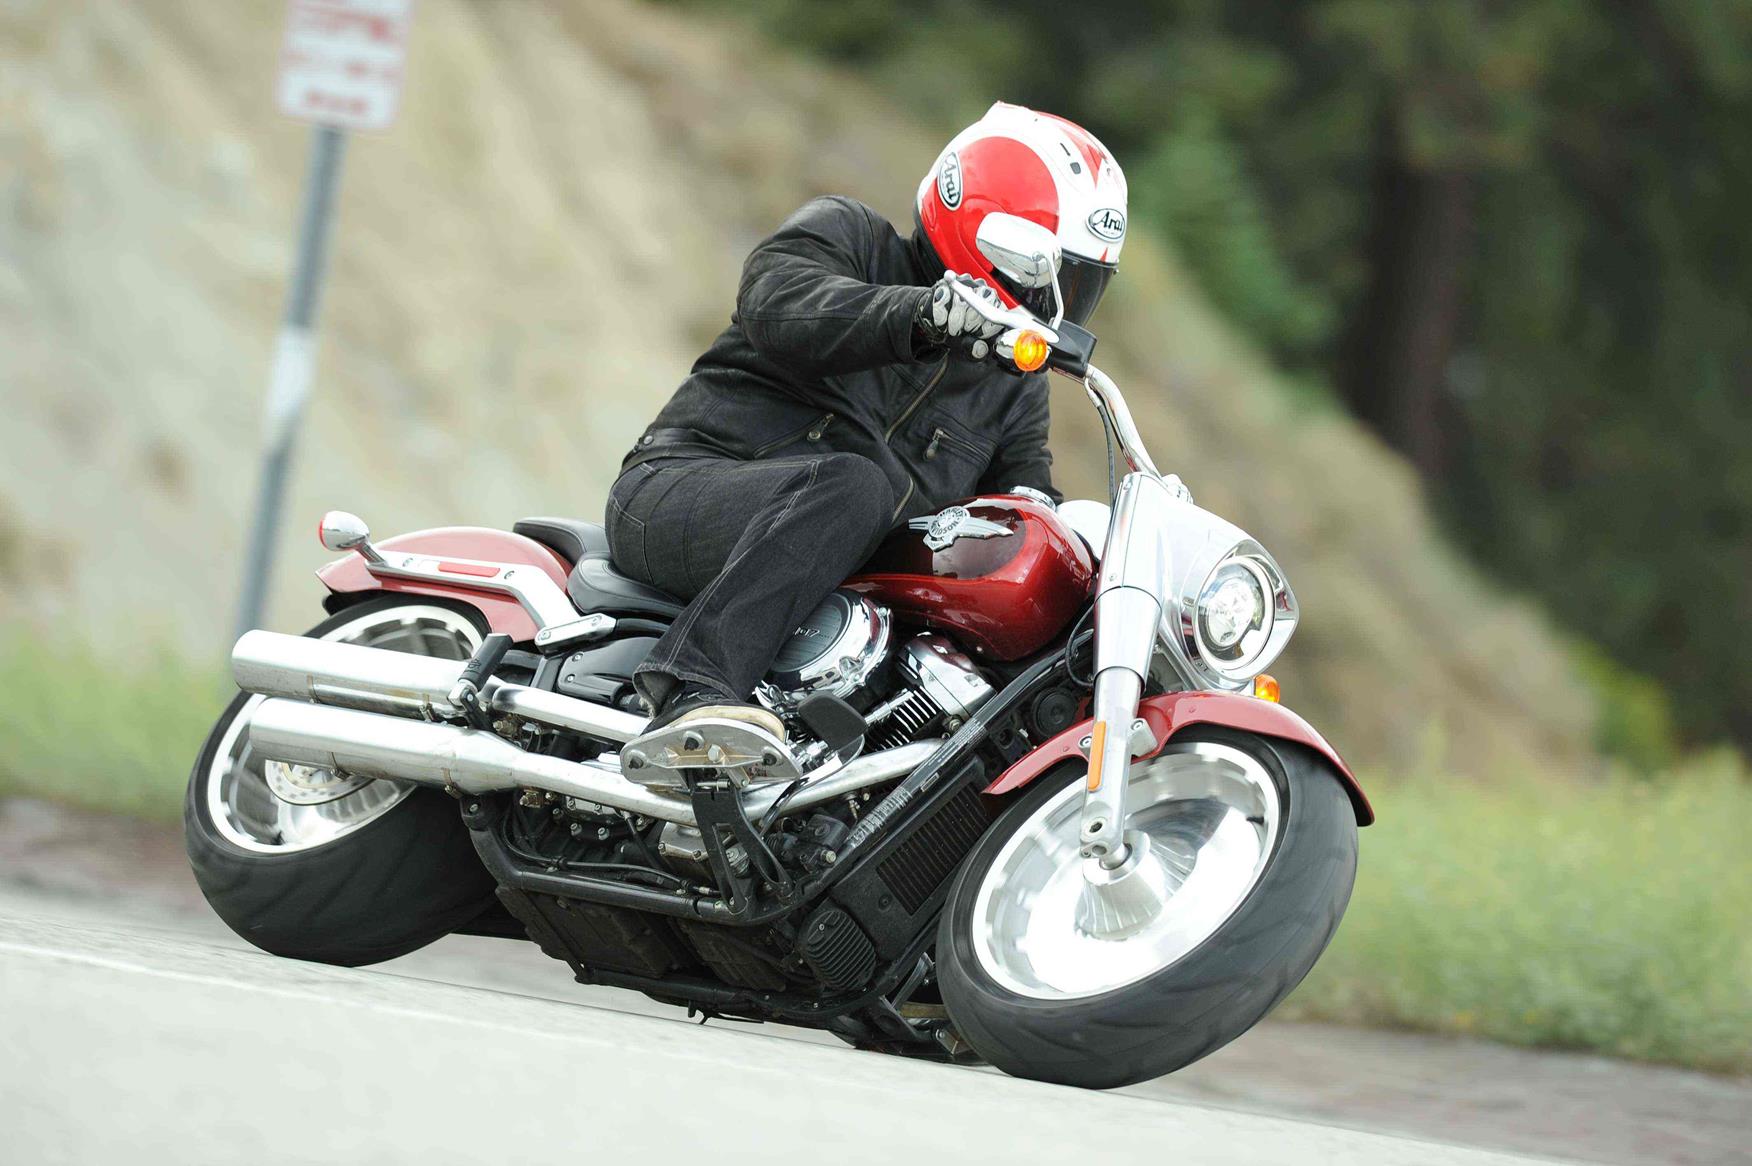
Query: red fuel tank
1003	572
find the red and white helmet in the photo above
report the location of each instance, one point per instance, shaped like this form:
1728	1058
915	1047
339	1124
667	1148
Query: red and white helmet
1038	167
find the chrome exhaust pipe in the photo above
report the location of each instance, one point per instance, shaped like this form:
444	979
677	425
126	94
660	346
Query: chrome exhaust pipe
401	684
475	761
466	760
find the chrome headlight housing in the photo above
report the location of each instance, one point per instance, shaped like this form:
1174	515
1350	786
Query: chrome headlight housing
1242	617
1229	611
1226	611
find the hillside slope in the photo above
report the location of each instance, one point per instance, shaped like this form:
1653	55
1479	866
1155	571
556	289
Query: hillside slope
526	265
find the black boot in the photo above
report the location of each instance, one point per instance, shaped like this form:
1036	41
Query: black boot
691	702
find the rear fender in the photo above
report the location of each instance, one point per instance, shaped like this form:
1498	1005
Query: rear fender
1173	713
347	579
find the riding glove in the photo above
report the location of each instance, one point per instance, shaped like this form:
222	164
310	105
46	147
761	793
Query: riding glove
946	318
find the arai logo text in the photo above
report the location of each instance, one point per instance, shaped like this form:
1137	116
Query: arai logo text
949	180
1108	223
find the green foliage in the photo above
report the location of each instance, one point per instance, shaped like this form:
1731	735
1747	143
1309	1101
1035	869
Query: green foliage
95	731
1609	404
1636	717
1194	183
1612	917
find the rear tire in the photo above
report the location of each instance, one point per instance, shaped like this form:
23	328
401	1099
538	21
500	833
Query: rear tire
1203	999
398	875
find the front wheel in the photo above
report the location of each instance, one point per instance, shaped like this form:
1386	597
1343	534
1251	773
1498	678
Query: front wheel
315	865
1255	849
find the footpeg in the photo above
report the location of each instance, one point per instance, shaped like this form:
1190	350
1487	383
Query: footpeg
741	751
466	696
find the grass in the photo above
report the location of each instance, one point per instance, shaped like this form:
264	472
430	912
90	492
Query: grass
116	734
1614	917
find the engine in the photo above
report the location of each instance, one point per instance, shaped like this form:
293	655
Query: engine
905	685
846	649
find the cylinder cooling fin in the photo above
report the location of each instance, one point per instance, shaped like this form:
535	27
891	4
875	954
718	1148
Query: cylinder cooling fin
905	721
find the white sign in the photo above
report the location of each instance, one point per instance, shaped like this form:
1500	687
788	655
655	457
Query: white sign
343	61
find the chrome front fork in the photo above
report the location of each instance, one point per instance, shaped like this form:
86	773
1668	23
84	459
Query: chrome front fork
1128	609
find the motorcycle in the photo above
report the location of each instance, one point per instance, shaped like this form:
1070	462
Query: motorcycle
1037	804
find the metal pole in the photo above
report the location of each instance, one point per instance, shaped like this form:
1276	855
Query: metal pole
294	361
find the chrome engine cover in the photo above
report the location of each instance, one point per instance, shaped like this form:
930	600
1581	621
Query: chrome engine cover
835	651
934	665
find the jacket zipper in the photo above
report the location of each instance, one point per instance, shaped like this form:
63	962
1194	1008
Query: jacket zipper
820	427
888	435
912	408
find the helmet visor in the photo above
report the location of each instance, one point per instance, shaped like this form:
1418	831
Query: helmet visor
1082	282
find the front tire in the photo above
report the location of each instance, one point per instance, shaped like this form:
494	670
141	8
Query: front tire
1273	833
356	872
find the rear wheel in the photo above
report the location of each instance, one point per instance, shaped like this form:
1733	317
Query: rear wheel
306	863
1253	845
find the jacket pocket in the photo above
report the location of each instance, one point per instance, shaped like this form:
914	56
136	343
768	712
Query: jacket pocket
948	459
946	441
811	432
948	438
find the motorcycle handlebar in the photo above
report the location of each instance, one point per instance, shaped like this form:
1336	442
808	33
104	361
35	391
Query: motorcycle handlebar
1069	350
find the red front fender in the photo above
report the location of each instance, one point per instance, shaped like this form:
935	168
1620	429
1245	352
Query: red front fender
1174	712
503	612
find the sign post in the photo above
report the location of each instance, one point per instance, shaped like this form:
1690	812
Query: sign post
341	68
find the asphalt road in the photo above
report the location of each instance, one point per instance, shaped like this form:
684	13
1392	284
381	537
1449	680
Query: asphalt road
125	1046
136	1026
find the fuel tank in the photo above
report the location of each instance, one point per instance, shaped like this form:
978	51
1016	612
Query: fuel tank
1004	573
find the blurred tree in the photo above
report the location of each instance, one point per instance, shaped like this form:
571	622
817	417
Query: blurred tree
1508	234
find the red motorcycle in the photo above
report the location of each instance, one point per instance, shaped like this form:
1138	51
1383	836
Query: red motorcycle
1037	803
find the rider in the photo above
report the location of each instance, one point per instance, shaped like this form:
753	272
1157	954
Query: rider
850	393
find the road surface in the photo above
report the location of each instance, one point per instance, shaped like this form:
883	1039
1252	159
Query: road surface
137	1027
125	1046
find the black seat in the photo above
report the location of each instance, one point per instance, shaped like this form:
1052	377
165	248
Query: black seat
594	584
572	538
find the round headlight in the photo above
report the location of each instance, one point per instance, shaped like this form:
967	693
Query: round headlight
1234	618
1231	605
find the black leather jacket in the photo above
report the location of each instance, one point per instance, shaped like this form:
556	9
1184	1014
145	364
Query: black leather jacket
820	355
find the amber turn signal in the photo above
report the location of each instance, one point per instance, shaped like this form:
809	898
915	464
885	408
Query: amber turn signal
1265	687
1030	351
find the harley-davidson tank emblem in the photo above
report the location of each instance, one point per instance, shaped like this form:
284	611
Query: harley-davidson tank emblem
944	527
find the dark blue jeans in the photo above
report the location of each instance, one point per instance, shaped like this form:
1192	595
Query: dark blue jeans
753	547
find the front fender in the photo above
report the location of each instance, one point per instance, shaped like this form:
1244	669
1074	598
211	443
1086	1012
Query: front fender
347	576
1174	712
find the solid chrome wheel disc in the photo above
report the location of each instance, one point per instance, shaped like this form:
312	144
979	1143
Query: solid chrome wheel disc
274	807
1210	813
